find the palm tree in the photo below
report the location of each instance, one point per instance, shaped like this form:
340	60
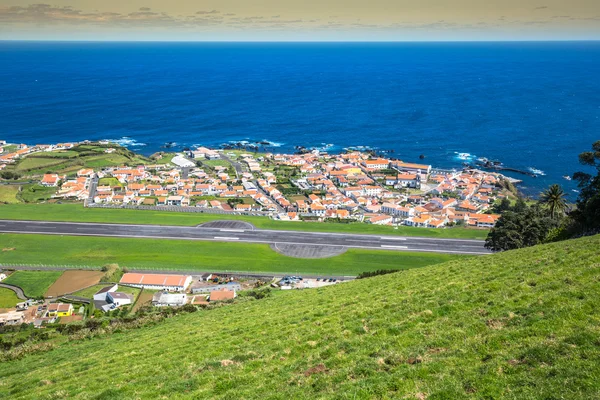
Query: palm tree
554	199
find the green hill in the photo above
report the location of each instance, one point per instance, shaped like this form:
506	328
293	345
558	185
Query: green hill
518	325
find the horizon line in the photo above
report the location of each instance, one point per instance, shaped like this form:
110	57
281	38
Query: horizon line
299	41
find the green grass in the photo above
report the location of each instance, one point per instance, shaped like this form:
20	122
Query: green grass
8	298
33	283
517	325
33	193
68	162
166	159
89	292
176	255
216	163
8	194
77	213
55	154
37	163
109	182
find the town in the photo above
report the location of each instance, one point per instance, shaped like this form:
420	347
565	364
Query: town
316	186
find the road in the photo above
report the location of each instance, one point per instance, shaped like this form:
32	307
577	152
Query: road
18	291
231	231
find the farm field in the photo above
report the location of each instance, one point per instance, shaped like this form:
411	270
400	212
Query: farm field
181	255
71	281
515	325
77	213
8	194
34	283
8	298
144	299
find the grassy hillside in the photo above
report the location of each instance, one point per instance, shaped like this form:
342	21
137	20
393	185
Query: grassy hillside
517	325
77	213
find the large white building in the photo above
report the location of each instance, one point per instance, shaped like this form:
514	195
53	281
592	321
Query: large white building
172	283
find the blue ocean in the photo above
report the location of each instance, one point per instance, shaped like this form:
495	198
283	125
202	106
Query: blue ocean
533	106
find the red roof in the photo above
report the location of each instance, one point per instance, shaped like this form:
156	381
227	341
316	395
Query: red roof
153	279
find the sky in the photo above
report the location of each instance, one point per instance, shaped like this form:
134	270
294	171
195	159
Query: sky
300	20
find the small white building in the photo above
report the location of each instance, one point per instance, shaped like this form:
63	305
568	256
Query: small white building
12	318
101	294
166	299
118	299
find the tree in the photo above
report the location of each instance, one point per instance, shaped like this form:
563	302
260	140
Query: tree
503	206
586	216
554	199
515	230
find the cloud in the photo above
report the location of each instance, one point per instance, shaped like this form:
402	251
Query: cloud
541	8
145	9
208	12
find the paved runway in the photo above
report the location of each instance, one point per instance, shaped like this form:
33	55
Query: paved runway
396	243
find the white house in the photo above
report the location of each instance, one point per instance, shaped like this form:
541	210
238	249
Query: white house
118	299
101	294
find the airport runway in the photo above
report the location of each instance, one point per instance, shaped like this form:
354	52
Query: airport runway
230	231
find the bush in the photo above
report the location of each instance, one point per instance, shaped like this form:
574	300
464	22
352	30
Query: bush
371	274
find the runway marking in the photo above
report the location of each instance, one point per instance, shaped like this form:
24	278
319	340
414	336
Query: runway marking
225	238
392	238
393	247
232	230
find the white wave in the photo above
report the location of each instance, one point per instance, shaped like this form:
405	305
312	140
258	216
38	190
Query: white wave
536	171
126	141
464	156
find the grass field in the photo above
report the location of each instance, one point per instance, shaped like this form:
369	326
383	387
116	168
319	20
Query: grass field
516	325
8	194
33	283
89	292
33	193
68	162
197	255
77	213
109	182
8	298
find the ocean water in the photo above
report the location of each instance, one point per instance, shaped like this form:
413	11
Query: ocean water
532	106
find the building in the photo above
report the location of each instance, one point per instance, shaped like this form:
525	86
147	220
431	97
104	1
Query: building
101	294
118	299
208	289
377	164
166	299
50	180
12	318
172	283
60	310
380	220
412	168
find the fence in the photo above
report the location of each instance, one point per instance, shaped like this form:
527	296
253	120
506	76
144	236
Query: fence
201	210
167	270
